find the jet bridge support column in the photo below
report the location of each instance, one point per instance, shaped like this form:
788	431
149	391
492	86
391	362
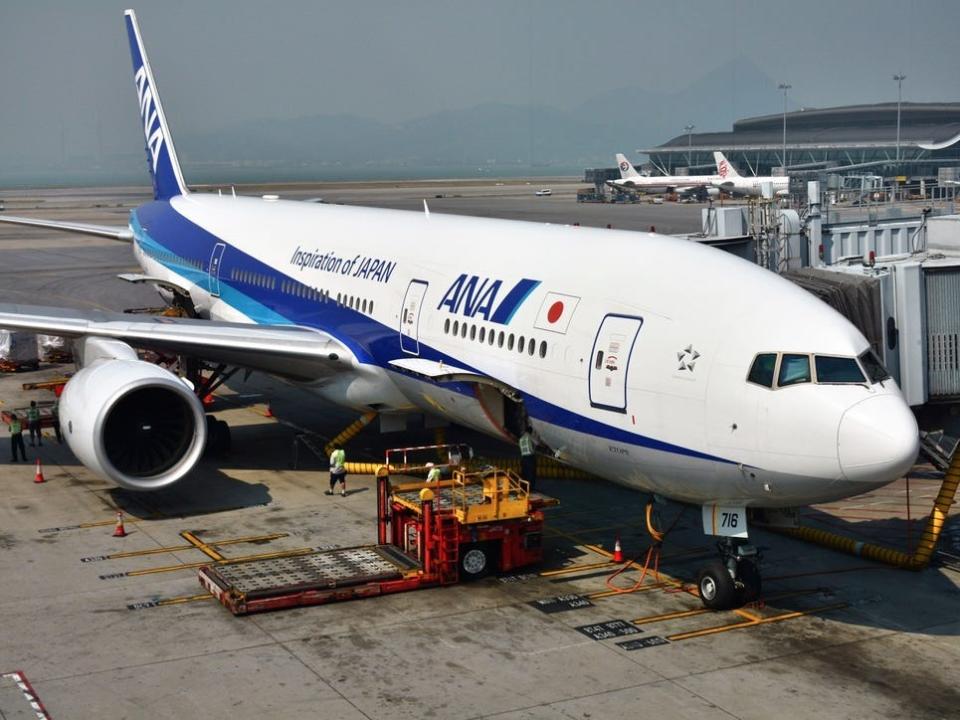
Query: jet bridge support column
814	230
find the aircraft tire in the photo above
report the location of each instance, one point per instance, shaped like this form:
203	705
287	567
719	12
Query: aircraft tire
717	589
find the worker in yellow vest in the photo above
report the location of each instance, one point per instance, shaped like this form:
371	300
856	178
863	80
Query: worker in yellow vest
33	422
16	438
433	473
338	470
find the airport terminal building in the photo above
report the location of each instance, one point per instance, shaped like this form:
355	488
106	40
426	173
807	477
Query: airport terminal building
855	138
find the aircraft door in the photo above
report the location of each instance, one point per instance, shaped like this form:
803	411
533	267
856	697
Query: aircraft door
410	317
610	361
215	257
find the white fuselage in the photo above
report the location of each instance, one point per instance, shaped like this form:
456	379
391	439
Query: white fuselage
637	375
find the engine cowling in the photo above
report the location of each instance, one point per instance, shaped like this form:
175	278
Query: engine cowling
133	423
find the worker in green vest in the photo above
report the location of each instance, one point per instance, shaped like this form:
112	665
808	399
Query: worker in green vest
33	422
338	470
528	457
16	438
433	473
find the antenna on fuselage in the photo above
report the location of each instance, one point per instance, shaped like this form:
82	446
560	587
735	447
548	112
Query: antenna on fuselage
426	208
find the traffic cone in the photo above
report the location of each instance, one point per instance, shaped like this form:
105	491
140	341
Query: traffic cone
617	550
38	477
119	530
269	411
207	400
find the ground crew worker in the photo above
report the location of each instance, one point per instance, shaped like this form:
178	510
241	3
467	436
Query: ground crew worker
338	470
33	422
16	439
433	473
55	416
528	457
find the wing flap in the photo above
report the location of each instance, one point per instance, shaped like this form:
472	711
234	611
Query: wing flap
294	352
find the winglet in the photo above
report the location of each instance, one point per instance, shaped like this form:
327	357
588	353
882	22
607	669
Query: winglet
626	169
161	155
724	168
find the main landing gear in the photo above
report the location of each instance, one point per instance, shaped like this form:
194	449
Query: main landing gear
733	579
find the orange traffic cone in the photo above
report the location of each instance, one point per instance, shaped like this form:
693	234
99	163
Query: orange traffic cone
119	530
617	550
38	476
269	411
207	400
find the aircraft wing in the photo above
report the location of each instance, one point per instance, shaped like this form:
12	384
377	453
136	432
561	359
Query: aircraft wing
109	231
298	353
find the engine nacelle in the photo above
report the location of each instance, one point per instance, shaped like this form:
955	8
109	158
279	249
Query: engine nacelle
133	423
713	192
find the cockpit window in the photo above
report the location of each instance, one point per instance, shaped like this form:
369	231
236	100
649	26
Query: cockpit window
794	369
838	370
762	370
873	367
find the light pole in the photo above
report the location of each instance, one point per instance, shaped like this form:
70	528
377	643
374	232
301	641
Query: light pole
784	87
689	129
899	77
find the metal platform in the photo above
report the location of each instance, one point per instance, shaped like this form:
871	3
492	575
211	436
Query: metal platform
323	569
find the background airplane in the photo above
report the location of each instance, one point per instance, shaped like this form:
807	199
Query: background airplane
632	181
732	182
641	358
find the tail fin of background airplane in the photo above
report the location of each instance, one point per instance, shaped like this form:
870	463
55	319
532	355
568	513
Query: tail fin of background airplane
161	155
626	169
724	168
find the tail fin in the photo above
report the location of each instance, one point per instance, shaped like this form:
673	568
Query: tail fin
626	169
161	155
724	168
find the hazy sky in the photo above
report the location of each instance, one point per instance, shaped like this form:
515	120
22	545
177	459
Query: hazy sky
66	86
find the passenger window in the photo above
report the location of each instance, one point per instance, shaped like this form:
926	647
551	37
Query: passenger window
838	370
446	326
456	327
510	342
543	348
500	339
520	344
473	332
370	307
531	348
794	369
761	372
483	334
463	330
490	339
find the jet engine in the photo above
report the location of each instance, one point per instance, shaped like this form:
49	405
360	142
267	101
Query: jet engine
133	423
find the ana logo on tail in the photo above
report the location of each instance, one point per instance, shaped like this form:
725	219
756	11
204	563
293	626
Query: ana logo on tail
152	128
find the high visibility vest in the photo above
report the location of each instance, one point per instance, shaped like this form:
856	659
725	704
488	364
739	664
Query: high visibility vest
526	444
15	427
433	475
33	413
337	459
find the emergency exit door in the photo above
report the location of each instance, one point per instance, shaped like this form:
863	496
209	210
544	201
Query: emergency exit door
610	361
214	271
410	317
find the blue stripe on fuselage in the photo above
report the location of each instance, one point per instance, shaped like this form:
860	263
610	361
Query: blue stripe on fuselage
159	227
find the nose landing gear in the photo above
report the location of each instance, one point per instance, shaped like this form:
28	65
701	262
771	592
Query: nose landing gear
733	579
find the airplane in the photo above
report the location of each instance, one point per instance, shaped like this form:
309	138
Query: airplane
632	181
732	182
647	360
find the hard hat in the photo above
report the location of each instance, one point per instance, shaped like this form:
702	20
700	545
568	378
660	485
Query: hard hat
429	464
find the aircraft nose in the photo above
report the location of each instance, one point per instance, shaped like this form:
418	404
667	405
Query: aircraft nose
877	440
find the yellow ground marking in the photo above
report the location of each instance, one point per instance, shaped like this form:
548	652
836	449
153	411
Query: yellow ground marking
577	568
231	561
185	599
752	623
191	546
201	546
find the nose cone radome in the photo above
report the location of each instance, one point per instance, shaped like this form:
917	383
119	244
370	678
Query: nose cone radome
877	440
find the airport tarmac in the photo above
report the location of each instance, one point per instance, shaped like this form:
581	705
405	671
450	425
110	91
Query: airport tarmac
105	627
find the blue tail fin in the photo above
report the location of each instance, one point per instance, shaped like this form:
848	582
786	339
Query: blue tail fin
161	155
